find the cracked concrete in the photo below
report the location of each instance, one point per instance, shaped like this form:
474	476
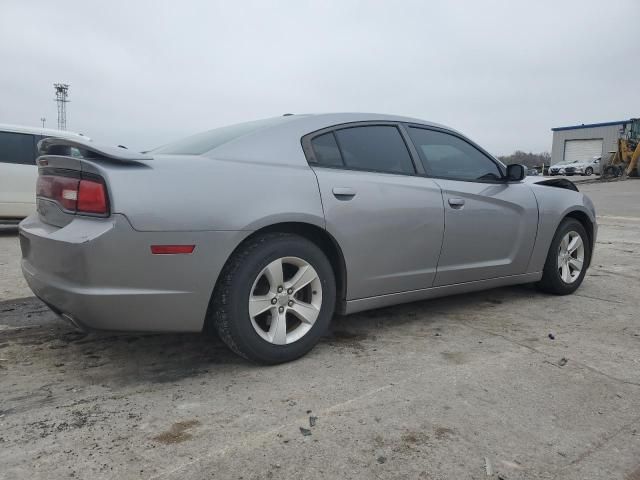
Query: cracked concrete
424	390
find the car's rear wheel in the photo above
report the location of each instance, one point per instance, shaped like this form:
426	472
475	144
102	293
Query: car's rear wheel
567	260
274	298
588	172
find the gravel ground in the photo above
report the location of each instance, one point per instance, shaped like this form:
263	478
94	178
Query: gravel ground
12	284
508	383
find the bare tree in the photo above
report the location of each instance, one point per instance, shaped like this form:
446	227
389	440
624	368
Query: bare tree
530	160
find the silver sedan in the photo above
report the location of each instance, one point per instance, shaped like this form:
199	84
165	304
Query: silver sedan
262	231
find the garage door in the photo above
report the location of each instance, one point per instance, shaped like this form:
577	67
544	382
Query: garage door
582	149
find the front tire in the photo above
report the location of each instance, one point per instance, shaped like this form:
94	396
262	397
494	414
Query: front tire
274	299
588	172
567	260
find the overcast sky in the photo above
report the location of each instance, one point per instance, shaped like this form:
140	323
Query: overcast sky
144	73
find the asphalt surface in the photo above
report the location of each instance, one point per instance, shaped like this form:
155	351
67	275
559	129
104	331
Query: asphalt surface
508	383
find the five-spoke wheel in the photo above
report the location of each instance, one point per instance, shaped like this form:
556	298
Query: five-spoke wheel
285	300
275	298
570	257
567	260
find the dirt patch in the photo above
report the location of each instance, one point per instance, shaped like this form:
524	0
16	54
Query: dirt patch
411	442
345	338
76	419
415	438
178	433
457	358
378	441
635	475
443	433
494	301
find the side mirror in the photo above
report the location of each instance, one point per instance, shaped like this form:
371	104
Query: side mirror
515	172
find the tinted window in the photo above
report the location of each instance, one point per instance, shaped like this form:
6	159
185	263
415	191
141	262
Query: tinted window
448	156
326	150
207	141
17	148
379	148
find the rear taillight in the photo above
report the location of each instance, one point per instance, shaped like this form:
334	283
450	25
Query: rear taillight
92	197
73	194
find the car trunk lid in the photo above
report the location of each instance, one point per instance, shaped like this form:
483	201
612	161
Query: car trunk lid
73	178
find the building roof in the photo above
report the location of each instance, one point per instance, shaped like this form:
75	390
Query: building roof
591	125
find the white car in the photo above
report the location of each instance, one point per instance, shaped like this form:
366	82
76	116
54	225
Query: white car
18	170
577	167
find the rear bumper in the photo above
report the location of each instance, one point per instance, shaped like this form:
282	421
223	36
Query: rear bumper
100	273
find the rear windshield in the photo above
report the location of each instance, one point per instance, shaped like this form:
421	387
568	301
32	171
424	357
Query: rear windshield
211	139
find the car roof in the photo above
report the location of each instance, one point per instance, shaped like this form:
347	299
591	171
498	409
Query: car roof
337	118
280	142
45	132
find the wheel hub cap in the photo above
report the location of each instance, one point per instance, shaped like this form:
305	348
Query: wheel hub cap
285	300
282	299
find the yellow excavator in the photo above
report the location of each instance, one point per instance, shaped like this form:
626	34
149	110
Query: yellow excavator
624	162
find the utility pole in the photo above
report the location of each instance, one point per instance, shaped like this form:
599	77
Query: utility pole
62	91
42	119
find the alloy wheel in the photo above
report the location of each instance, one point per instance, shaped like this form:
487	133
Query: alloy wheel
570	257
285	300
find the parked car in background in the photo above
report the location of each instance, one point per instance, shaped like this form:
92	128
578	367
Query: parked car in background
577	167
532	172
261	231
18	170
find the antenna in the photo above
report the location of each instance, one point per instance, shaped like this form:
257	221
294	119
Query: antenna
62	91
42	119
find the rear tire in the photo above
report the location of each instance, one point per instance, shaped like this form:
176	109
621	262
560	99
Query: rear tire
251	308
560	274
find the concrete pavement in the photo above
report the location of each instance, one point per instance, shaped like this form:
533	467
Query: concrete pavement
509	382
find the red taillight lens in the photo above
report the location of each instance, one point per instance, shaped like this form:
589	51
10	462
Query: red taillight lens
73	194
92	197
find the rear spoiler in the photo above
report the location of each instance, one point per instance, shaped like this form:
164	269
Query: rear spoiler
88	150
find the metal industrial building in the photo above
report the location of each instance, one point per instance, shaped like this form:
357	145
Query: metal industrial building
581	142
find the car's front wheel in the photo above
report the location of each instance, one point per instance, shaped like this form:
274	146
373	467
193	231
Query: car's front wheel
588	172
274	299
567	259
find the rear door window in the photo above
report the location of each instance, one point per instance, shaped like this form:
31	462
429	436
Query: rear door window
378	148
17	148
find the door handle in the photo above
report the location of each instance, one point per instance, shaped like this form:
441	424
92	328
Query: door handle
344	193
456	203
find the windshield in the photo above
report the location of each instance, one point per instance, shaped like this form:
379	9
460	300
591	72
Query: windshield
211	139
